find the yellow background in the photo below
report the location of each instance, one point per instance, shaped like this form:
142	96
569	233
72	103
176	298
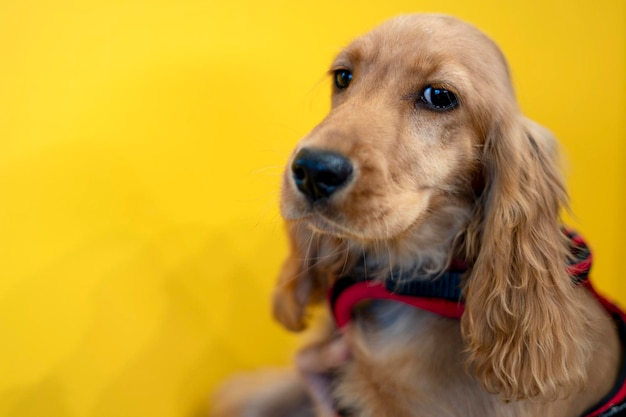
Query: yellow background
141	144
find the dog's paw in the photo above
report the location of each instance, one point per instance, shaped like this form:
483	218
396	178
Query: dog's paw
268	393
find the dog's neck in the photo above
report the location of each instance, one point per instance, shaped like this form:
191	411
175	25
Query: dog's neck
417	254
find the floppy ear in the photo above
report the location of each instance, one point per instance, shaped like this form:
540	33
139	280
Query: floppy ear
305	276
522	326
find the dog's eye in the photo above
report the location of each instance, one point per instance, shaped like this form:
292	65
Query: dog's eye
342	78
438	98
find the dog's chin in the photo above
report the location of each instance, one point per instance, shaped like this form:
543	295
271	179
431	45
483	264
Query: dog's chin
367	231
324	226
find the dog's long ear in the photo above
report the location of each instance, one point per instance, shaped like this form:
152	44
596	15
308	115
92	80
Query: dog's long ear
305	275
522	326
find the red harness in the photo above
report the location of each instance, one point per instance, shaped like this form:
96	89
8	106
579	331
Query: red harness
442	295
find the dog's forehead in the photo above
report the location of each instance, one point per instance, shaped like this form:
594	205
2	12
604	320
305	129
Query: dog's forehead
429	39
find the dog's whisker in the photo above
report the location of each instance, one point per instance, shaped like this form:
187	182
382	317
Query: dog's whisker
273	169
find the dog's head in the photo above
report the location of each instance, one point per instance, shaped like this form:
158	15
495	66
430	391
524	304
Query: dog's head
425	157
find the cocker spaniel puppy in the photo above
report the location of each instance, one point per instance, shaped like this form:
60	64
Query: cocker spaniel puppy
423	211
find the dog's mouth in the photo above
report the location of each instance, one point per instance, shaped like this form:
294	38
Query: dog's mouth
369	222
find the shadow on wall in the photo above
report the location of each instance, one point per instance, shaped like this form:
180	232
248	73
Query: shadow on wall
185	325
141	278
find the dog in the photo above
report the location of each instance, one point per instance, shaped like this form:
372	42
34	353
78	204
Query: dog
426	175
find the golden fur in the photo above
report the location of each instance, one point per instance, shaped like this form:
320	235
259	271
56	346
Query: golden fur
478	182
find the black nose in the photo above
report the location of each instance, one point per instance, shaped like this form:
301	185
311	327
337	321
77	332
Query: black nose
318	174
